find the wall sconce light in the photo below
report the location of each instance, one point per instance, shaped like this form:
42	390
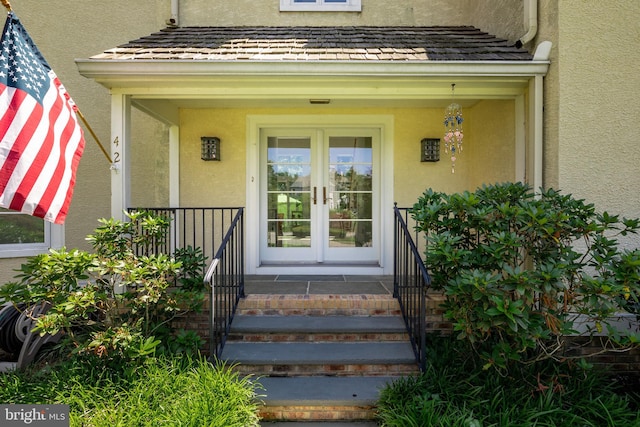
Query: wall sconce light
210	148
430	150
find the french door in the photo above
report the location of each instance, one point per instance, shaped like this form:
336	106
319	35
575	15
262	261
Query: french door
319	195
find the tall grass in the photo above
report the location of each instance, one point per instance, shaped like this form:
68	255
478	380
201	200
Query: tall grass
171	392
455	392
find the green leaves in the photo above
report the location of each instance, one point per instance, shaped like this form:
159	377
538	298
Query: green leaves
176	391
113	303
514	265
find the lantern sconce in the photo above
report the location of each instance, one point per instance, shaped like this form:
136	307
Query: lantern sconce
430	150
210	148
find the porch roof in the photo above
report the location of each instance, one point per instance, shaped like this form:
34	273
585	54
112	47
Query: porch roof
442	43
206	67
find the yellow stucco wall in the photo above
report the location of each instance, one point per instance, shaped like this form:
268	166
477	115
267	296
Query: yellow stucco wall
488	155
213	183
492	148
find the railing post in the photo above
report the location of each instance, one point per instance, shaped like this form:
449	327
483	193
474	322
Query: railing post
409	269
241	212
396	293
423	330
212	319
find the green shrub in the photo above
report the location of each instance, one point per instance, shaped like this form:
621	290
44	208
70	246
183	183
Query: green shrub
165	391
520	269
452	392
114	304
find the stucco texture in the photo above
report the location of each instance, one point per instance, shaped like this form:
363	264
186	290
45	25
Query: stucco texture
599	153
503	18
374	12
488	156
70	29
213	183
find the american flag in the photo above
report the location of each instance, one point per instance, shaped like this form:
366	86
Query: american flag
41	141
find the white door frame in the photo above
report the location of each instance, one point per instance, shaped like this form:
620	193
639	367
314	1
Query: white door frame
252	213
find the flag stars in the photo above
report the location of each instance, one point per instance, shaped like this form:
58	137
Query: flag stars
21	67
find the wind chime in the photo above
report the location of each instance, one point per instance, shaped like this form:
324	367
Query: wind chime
453	129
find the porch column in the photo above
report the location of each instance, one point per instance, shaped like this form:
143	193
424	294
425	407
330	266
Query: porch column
536	132
174	166
521	139
120	136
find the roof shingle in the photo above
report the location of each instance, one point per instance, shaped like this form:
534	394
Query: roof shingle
456	43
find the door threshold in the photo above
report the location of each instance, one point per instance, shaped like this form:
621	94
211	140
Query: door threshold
321	269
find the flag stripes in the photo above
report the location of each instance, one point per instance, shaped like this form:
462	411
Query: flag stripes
41	141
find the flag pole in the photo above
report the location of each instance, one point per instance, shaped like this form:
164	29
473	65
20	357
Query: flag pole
95	137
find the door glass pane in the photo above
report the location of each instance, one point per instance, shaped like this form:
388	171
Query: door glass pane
289	192
350	191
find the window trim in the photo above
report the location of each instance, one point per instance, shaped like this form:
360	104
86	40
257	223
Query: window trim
53	239
321	6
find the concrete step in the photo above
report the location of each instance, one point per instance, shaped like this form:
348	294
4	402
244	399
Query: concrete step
319	305
313	358
321	398
322	358
317	328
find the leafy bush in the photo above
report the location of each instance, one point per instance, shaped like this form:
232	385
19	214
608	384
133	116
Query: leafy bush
521	270
113	304
179	391
453	393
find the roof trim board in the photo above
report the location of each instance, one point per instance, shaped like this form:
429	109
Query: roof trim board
113	73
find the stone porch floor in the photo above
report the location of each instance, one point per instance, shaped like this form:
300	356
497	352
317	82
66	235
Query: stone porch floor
318	285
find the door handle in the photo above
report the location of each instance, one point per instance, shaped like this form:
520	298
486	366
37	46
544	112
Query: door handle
314	195
324	195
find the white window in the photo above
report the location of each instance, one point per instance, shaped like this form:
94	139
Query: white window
24	235
320	5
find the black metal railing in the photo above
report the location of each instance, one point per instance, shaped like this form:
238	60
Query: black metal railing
225	279
411	282
219	233
201	227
